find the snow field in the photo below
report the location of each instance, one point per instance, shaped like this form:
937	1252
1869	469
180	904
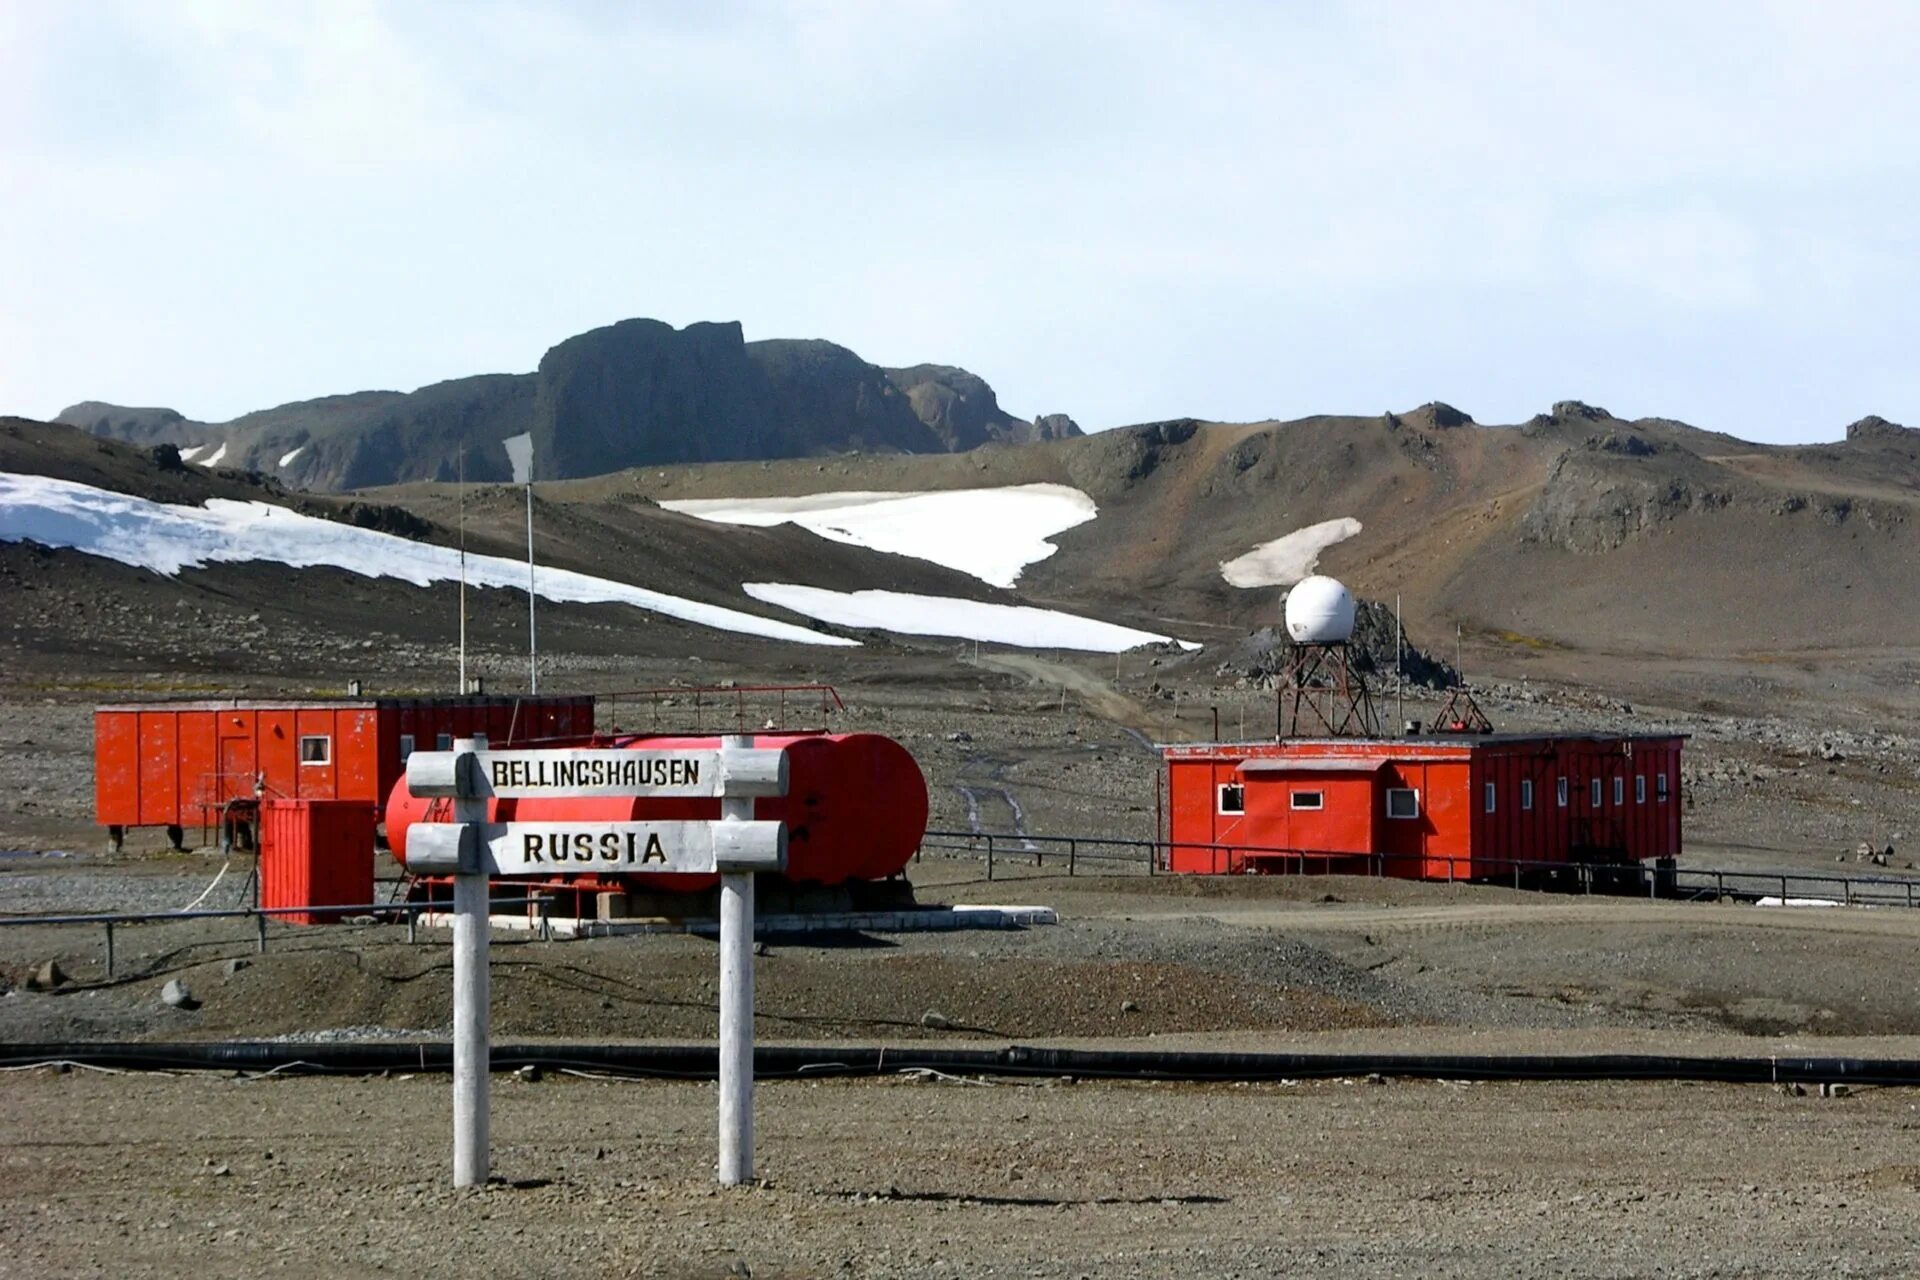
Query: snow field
1289	559
917	615
990	534
167	539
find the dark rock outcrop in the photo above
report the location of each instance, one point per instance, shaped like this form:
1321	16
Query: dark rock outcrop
121	422
957	406
827	399
1874	429
1609	490
1055	426
1263	655
635	393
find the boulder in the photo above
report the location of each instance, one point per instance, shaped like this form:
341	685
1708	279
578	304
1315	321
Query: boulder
47	977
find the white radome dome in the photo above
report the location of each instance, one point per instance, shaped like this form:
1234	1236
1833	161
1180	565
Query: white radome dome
1320	611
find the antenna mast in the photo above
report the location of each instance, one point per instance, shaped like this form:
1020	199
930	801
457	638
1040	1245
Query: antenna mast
463	569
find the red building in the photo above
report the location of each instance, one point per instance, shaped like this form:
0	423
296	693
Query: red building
1424	808
182	764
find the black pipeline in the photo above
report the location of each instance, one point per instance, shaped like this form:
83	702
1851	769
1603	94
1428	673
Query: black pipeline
700	1062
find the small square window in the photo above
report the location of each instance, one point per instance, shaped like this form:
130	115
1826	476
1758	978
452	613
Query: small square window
317	749
1639	788
1233	797
1619	791
406	746
1309	800
1660	787
1560	791
443	743
1526	793
1597	794
1403	802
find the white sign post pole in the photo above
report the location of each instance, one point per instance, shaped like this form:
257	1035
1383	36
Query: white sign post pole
470	849
736	1001
472	1012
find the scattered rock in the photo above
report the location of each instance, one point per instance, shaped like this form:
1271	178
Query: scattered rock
1129	1006
936	1020
1836	1091
529	1073
176	995
960	735
47	977
234	966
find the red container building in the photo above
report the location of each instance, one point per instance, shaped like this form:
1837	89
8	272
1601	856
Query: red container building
1439	808
182	764
316	853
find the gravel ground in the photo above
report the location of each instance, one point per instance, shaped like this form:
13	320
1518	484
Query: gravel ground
196	1175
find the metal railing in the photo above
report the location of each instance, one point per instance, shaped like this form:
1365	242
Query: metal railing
538	908
1119	855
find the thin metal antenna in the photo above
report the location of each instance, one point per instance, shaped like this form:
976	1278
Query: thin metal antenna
533	643
1399	670
462	690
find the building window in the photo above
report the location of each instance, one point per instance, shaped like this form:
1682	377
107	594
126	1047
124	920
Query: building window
1660	787
1526	793
1619	791
1309	800
1560	791
406	746
1596	792
317	749
1490	797
1639	788
1233	797
443	743
1403	802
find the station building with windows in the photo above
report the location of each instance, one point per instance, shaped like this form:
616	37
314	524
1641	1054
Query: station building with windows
1434	807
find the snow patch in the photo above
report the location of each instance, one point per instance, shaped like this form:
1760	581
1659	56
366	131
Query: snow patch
167	539
291	454
1287	560
917	615
520	456
1796	902
186	454
213	459
991	534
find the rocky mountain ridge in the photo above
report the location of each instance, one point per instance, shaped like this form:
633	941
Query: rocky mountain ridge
635	393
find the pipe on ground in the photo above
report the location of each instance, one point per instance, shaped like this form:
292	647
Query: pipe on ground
701	1062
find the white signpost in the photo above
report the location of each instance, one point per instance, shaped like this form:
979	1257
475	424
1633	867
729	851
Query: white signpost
472	850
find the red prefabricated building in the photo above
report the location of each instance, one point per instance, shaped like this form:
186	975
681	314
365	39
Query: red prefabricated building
182	764
1423	808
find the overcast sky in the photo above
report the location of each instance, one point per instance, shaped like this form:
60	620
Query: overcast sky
1121	211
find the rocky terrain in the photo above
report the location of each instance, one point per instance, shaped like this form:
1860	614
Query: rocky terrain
631	394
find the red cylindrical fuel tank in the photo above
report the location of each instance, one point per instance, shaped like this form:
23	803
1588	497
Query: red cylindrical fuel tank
855	808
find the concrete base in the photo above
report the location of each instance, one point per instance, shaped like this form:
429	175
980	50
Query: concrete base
921	920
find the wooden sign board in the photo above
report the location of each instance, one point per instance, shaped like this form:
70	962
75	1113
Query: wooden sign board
666	774
604	848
